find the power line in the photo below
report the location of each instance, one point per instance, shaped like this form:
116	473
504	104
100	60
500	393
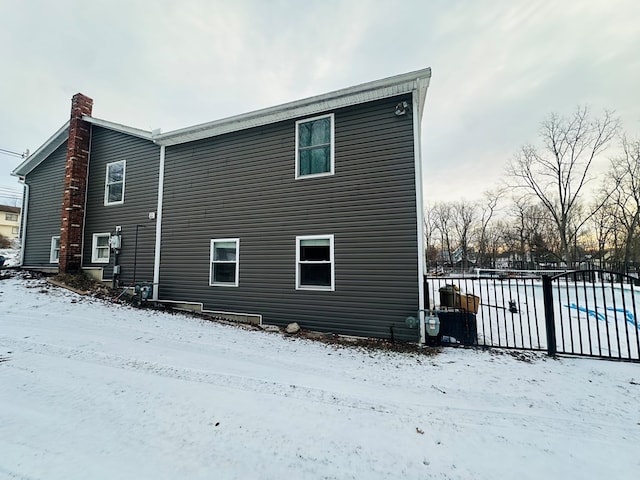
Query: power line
15	154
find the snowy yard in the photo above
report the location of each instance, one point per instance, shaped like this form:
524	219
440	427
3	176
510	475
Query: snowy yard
90	390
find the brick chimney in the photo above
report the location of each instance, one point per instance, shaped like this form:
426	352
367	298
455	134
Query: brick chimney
75	185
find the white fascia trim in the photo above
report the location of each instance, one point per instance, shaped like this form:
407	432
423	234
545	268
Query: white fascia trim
376	90
117	127
156	258
41	154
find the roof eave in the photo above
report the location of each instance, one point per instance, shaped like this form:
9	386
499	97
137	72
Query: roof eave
388	87
135	132
47	148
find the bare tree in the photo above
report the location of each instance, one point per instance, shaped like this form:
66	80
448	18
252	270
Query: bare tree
443	218
487	211
557	172
624	176
430	232
464	215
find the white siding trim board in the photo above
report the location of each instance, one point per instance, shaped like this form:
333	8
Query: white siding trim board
158	244
417	116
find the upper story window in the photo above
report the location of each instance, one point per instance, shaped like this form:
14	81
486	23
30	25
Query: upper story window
11	217
314	259
100	248
114	185
54	254
224	262
315	146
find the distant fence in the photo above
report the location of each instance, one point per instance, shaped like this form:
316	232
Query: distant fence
590	313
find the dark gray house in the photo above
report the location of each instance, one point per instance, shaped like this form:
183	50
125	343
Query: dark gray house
308	212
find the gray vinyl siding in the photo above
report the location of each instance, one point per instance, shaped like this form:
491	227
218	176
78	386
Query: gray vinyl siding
242	185
140	197
44	209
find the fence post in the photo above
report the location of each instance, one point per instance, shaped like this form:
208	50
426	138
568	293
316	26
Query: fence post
549	316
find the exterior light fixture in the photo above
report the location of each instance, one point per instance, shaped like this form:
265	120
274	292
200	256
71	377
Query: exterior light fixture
402	108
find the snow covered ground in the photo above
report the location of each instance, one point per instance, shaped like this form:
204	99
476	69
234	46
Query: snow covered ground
90	390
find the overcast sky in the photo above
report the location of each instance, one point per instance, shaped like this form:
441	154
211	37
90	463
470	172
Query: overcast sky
499	67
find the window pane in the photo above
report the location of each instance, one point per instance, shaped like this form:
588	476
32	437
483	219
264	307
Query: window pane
115	192
224	272
115	172
315	160
102	241
307	242
103	252
304	134
316	132
314	253
224	251
315	274
321	131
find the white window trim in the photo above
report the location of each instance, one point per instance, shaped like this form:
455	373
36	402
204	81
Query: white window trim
211	262
94	246
52	257
106	183
332	149
330	288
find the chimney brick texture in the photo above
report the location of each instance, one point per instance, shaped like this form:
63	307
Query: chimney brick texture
75	185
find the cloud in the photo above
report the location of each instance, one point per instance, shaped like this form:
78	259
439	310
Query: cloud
498	67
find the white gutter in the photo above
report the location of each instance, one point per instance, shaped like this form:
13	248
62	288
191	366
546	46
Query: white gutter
156	259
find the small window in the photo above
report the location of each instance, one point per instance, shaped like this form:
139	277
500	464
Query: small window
54	255
314	146
14	230
314	258
100	250
114	187
11	217
224	262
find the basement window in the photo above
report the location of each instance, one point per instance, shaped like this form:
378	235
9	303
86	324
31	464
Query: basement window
100	248
114	185
225	260
315	146
314	263
54	254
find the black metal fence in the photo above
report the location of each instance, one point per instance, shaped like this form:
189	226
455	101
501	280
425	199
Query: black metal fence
589	313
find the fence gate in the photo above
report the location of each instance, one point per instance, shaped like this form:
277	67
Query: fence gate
588	313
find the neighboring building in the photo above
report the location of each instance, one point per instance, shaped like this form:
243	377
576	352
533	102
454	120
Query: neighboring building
307	212
9	221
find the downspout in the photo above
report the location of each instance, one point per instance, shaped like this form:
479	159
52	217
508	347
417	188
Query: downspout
23	223
86	195
156	260
417	116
